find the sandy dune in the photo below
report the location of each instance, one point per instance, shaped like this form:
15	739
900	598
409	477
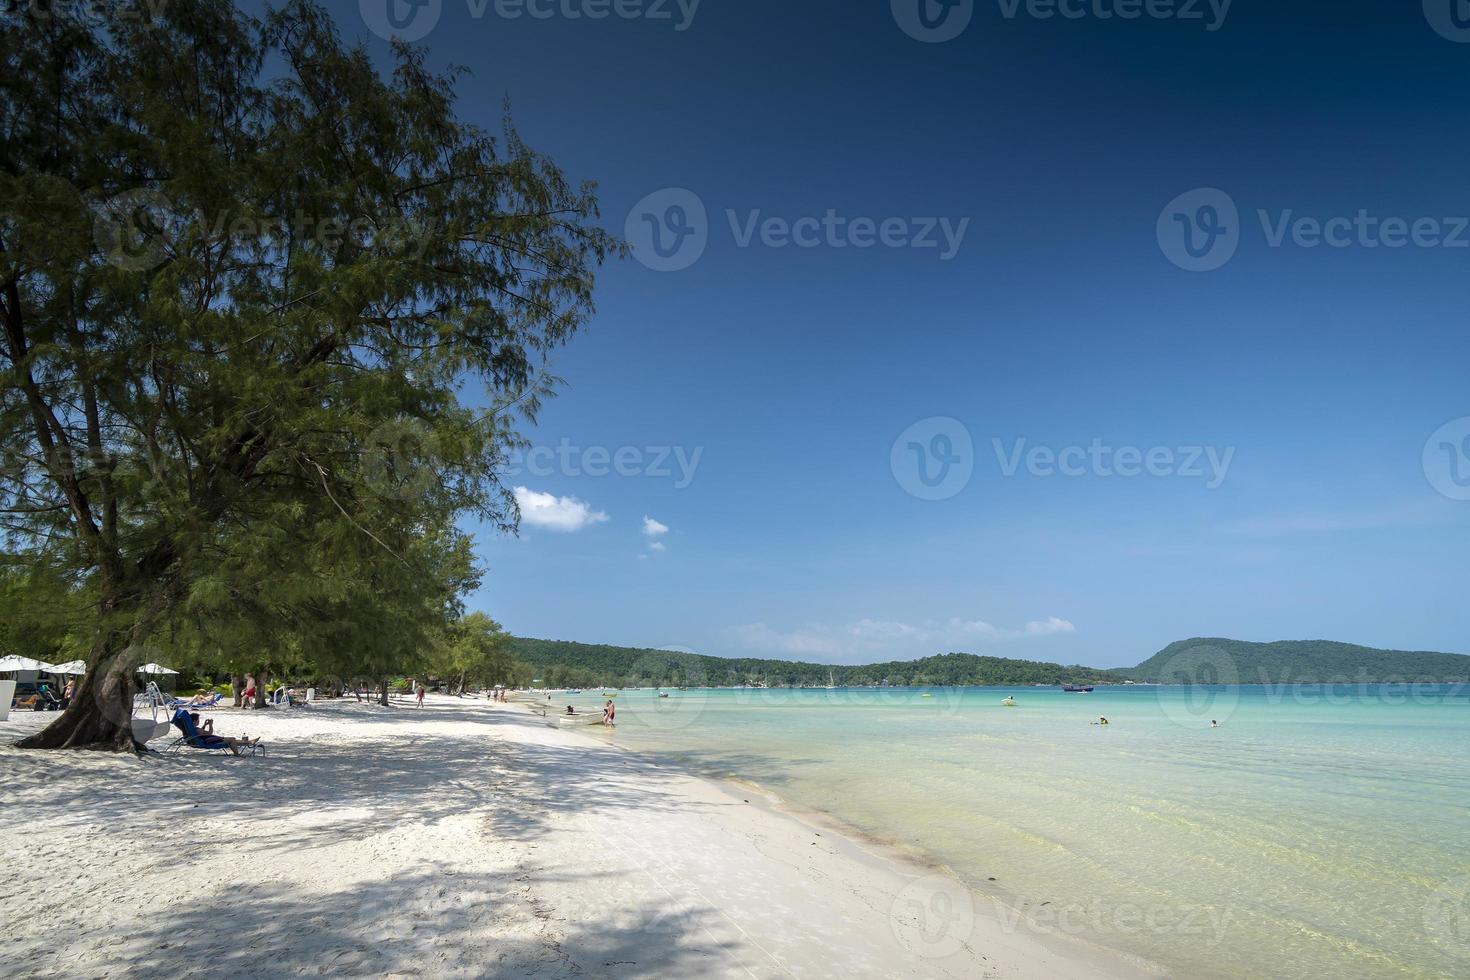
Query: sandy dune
461	839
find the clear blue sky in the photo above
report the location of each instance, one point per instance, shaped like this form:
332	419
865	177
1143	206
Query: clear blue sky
1060	320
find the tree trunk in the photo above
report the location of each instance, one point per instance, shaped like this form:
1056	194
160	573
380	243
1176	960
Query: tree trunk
384	701
100	715
262	676
237	684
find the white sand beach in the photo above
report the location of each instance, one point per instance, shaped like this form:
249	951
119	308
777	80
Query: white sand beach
461	839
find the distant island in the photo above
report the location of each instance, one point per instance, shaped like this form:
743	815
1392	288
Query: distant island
1200	660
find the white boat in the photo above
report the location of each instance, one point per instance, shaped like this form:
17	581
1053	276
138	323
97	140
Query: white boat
1009	702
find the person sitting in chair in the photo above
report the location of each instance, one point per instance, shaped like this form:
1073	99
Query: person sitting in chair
206	738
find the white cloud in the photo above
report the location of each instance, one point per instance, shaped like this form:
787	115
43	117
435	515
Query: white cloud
653	528
657	546
555	513
890	638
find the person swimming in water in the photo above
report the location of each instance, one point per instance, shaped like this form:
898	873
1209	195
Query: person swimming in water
1214	723
570	711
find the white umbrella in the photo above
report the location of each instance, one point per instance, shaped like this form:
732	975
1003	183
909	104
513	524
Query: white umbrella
22	663
76	667
155	669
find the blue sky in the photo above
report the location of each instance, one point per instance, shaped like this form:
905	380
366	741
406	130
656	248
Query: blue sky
1058	317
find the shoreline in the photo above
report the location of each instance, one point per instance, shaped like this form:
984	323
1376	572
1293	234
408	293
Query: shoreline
466	838
880	852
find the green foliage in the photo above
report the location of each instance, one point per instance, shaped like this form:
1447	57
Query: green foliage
565	664
1207	661
476	653
1214	660
244	280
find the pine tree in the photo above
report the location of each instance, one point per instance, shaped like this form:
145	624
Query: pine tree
239	308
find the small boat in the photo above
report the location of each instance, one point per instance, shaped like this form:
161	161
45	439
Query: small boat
663	694
574	690
926	694
1009	702
1075	689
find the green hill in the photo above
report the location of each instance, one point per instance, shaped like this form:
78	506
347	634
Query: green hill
561	663
1216	660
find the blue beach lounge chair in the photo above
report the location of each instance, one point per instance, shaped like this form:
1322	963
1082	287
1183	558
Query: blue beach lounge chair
195	739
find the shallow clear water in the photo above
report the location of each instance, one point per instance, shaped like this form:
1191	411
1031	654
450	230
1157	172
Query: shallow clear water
1317	832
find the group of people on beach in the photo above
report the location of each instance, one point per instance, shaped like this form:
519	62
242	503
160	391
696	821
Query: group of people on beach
609	711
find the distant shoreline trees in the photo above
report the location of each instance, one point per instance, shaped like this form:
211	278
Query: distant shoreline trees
1196	661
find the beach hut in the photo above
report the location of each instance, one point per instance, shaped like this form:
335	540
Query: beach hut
23	670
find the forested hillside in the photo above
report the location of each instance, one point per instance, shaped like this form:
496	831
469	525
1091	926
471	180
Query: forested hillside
1207	660
562	663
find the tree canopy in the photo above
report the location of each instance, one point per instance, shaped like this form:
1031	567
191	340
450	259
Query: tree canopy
244	313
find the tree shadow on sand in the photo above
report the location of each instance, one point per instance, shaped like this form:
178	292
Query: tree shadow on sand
429	924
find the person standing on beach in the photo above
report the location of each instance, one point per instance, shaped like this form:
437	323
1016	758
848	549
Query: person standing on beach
420	693
609	710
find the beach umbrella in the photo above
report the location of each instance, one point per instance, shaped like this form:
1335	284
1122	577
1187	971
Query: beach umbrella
13	662
155	669
73	667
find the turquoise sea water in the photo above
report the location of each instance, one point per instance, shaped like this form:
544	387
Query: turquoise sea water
1318	832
